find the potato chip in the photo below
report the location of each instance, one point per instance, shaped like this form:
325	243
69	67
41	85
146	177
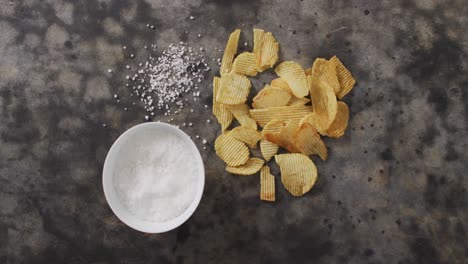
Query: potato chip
263	116
241	113
229	52
265	49
220	111
270	97
285	137
268	149
258	42
274	126
298	101
345	78
298	173
233	89
245	64
250	167
267	185
307	141
325	71
231	150
311	119
339	125
323	102
247	135
295	76
280	83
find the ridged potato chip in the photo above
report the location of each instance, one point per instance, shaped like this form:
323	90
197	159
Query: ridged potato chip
265	49
250	167
298	173
220	111
325	71
267	185
295	76
233	89
311	119
298	101
271	96
231	150
244	64
268	149
229	52
280	83
323	102
263	116
241	113
247	135
285	137
274	126
307	141
339	125
344	77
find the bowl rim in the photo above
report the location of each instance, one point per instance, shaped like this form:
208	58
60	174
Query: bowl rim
114	201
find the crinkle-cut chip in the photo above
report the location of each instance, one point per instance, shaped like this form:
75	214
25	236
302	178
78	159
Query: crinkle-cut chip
339	125
280	83
267	185
250	167
220	111
295	76
247	135
229	52
245	64
298	172
308	141
269	51
274	126
268	149
271	96
323	102
344	77
308	71
233	89
325	71
263	116
258	35
231	150
311	119
285	137
298	101
241	113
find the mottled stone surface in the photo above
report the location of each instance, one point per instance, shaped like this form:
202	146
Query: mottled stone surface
394	189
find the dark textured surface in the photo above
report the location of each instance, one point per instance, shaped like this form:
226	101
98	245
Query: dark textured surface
394	189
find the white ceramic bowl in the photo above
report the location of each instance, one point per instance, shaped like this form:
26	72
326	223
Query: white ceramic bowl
116	152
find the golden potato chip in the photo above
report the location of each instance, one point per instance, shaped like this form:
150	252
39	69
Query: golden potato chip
274	126
229	52
258	42
325	71
339	125
270	96
298	173
311	119
323	102
233	89
345	78
298	101
280	83
268	149
269	52
307	141
265	115
250	167
220	111
285	137
245	64
295	76
247	135
241	113
231	150
267	185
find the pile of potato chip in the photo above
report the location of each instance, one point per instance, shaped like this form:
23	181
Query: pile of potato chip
282	111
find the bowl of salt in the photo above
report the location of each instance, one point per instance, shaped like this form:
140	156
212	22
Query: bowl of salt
153	177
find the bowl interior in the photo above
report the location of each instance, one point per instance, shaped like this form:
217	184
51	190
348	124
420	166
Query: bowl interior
118	148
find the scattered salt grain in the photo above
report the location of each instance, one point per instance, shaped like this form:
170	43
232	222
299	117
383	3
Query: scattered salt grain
204	141
189	124
191	17
109	70
197	136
